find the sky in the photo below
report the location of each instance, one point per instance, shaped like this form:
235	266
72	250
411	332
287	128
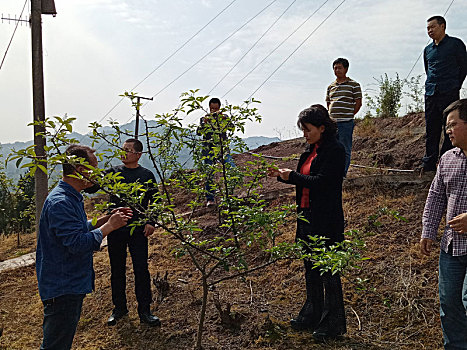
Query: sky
95	50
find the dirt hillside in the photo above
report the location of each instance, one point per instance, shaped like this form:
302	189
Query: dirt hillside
391	301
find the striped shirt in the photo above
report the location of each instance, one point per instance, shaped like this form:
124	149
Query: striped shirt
341	98
448	193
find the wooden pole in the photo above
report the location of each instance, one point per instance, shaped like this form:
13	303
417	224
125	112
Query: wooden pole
41	184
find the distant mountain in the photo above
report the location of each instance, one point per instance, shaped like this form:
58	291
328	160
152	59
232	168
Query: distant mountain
14	173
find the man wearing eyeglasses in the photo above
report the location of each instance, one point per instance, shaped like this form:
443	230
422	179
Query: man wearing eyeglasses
448	193
133	239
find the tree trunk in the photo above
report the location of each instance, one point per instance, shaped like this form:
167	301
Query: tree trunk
202	314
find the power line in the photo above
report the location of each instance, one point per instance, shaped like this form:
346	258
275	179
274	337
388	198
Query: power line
210	51
14	31
170	56
275	49
251	48
420	55
298	47
246	53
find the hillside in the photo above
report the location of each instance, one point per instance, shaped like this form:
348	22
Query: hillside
391	302
13	172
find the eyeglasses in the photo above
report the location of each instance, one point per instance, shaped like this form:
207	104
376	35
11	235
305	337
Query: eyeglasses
451	126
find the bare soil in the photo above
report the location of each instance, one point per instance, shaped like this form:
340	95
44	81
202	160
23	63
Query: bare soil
391	301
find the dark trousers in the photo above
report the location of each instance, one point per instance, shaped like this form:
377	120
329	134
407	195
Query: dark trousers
324	306
434	107
61	316
118	241
209	161
324	293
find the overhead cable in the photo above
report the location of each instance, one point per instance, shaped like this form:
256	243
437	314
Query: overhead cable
275	49
13	35
251	48
210	51
420	55
170	56
298	47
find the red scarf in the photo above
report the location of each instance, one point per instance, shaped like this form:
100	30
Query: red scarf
305	170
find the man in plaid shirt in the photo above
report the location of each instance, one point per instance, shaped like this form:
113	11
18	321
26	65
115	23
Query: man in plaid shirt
448	192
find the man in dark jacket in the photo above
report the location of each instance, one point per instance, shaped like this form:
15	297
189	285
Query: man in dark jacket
136	241
445	62
209	130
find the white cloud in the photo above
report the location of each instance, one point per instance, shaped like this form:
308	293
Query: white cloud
96	49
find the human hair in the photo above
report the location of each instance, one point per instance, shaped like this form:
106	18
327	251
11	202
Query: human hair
76	151
460	106
137	144
215	100
439	19
318	115
340	60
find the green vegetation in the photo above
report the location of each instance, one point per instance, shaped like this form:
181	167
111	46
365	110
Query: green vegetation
16	204
386	101
247	233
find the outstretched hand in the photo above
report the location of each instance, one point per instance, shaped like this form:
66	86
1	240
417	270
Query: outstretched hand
119	217
459	223
283	173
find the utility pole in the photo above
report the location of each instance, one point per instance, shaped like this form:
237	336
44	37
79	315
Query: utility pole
138	105
38	7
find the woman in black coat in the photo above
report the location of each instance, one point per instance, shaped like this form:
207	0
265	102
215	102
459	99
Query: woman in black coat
318	182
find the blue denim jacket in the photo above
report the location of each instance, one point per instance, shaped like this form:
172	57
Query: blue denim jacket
445	65
65	245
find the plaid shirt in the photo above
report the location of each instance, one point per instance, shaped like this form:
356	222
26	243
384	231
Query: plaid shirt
448	191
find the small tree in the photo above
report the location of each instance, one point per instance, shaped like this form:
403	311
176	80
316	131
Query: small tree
247	235
387	102
415	94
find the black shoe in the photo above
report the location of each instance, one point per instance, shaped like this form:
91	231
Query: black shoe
149	319
116	315
301	323
307	319
324	334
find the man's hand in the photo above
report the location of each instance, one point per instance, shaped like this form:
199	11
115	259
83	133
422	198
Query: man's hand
125	210
282	173
425	246
119	217
148	230
459	223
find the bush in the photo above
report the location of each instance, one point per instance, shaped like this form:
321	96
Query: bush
388	100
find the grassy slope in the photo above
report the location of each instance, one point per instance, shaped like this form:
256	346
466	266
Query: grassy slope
397	309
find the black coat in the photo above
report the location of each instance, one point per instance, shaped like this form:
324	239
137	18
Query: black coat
326	215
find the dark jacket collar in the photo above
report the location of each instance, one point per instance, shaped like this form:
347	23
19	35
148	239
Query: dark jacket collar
325	144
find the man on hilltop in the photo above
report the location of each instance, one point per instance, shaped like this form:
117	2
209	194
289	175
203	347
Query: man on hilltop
448	194
344	100
65	245
445	62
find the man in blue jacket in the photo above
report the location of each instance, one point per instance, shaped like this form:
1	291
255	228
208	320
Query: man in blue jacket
445	62
65	246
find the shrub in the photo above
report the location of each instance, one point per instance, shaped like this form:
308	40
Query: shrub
387	102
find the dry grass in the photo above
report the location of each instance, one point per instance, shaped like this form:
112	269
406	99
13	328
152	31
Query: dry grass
396	309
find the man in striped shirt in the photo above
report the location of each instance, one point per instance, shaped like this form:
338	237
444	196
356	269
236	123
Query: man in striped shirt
344	99
448	194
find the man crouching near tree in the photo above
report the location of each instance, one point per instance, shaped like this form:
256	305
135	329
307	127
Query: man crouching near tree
65	246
